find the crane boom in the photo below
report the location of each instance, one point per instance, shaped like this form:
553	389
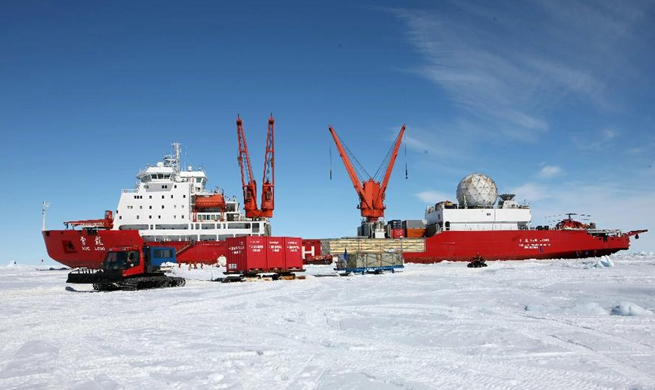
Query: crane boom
247	179
371	193
268	181
392	160
346	161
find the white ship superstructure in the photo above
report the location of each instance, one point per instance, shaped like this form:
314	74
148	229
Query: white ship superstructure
476	209
169	204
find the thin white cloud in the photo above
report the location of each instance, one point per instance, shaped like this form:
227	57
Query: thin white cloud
432	197
595	141
508	63
530	192
549	171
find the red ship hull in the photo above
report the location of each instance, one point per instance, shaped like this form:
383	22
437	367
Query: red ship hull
517	245
83	248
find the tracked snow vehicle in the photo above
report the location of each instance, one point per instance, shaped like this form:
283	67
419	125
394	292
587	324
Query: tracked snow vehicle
130	268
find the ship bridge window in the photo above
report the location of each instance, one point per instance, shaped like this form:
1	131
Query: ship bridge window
239	225
255	228
167	176
133	227
178	226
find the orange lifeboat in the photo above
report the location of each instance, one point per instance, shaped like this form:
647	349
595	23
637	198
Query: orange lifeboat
215	201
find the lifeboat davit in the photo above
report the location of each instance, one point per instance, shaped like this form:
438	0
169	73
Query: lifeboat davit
215	201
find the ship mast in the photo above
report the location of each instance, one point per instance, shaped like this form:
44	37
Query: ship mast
176	164
44	207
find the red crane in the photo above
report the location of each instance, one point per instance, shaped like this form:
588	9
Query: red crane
248	181
371	193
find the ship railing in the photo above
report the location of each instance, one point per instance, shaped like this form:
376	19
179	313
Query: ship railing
131	190
608	232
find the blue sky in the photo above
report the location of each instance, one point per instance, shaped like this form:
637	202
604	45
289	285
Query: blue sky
552	99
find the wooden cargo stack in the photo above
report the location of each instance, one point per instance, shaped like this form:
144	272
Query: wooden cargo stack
337	246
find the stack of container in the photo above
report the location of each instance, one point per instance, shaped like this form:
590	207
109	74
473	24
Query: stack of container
414	228
255	254
396	229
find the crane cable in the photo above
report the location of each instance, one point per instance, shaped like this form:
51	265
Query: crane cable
330	161
405	145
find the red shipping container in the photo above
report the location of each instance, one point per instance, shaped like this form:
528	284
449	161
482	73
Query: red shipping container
397	233
245	253
311	248
275	253
293	248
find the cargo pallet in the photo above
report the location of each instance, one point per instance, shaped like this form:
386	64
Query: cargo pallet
370	270
257	277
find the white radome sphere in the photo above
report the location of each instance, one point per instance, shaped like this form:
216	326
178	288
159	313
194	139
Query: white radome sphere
477	190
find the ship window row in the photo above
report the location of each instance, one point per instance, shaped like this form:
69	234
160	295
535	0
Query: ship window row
208	217
184	226
160	176
150	217
150	196
191	237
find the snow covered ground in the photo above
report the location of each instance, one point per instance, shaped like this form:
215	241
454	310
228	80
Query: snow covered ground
553	324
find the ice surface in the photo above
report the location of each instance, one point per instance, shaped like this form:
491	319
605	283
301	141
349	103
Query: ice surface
551	324
630	309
